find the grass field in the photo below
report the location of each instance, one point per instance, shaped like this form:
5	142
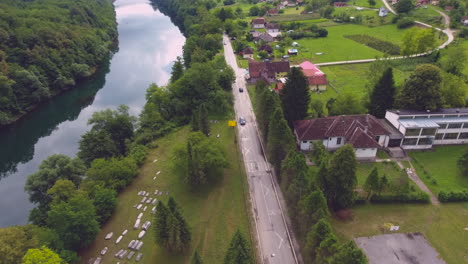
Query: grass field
365	3
441	166
213	214
442	225
428	15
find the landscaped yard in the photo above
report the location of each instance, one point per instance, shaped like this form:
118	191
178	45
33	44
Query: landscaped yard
438	168
442	225
213	213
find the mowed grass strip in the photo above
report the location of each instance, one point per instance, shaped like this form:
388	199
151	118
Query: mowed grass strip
213	213
440	164
442	225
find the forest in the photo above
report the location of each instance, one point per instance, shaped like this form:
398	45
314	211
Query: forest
48	46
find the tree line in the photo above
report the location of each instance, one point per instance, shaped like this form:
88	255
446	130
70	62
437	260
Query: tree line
48	46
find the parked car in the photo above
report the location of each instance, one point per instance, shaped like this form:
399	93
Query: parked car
242	121
241	90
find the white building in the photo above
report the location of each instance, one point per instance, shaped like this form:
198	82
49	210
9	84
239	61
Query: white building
423	129
364	132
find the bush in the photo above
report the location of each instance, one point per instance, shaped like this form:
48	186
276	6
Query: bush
375	43
460	196
405	22
417	197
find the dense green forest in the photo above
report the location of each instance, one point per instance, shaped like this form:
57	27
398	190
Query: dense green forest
47	46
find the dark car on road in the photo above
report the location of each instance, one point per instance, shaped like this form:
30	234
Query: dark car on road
241	90
242	121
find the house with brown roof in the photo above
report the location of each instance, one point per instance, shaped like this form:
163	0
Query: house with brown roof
266	48
267	71
365	133
316	78
258	22
273	12
273	29
266	37
340	4
248	53
448	8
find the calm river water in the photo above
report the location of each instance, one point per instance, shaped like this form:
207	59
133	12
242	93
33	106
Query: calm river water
148	45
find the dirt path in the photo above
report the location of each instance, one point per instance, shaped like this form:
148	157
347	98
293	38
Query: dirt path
415	178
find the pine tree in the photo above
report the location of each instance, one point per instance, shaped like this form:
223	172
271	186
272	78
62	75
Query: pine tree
296	190
312	208
177	69
422	90
295	96
160	224
267	103
372	182
280	140
349	253
319	232
341	178
291	166
196	259
239	251
383	95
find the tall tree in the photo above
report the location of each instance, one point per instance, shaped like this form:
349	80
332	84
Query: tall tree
341	178
41	256
292	164
203	119
454	90
312	208
372	182
462	163
280	139
160	224
404	6
267	102
15	241
74	221
177	70
349	253
383	95
239	251
422	90
454	61
319	232
295	96
196	259
114	173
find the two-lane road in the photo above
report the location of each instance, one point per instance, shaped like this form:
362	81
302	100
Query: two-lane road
275	246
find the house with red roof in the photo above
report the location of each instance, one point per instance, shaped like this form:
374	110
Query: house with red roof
365	133
340	4
316	78
248	53
267	71
273	12
258	22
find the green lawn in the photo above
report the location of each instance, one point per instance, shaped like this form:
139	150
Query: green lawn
365	3
440	164
442	225
427	15
212	213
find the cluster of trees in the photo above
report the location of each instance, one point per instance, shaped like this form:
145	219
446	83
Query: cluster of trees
417	41
171	230
47	47
460	9
307	195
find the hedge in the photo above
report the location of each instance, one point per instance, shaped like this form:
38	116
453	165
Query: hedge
417	197
460	196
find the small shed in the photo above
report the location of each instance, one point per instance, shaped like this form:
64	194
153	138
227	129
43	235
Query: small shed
292	51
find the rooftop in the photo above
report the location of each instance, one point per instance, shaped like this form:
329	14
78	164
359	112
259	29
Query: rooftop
444	111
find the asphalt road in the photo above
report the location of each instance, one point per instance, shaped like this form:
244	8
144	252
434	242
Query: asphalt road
274	242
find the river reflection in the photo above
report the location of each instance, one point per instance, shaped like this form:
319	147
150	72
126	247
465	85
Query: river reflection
148	45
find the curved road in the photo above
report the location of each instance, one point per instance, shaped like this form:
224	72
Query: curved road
447	31
274	241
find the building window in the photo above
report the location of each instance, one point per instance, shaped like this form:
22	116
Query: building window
451	136
463	136
439	136
442	126
428	132
413	132
421	117
465	125
455	125
425	141
410	141
304	141
338	141
406	117
445	116
377	138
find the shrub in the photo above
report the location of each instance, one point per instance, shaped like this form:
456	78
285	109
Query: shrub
460	196
375	43
417	197
405	22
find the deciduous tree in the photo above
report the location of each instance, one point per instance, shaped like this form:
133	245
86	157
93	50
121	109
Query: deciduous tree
42	256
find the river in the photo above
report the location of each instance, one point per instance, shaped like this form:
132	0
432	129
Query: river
148	45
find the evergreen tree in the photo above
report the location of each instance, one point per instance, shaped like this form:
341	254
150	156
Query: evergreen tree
268	101
295	96
341	178
195	122
462	163
349	253
160	224
319	153
296	190
280	139
177	70
383	95
422	91
239	251
319	232
372	183
383	183
293	164
312	208
196	259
